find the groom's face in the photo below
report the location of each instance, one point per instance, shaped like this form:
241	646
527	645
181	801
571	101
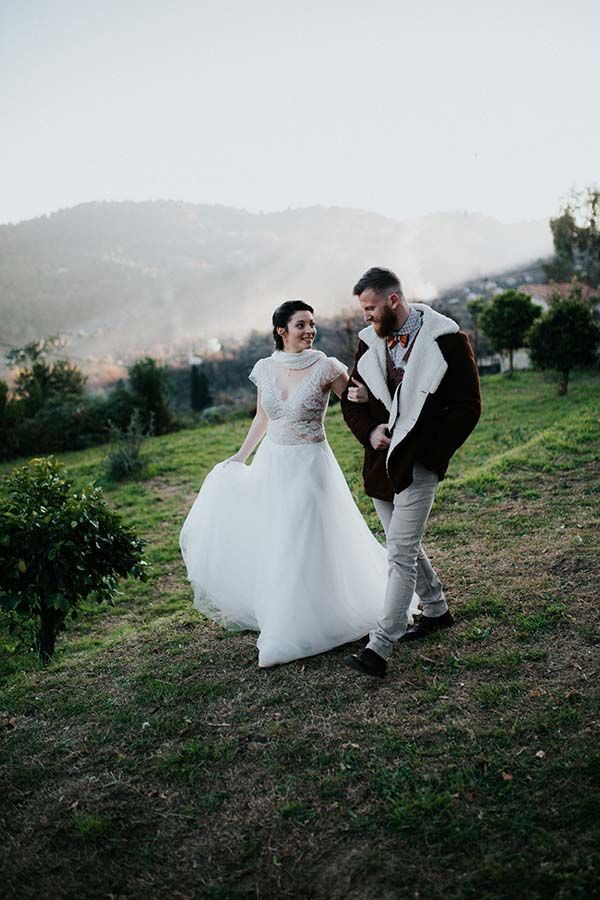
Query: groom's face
382	311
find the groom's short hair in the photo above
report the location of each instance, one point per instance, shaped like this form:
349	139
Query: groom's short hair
379	280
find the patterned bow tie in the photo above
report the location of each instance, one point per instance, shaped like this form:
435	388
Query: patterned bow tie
394	339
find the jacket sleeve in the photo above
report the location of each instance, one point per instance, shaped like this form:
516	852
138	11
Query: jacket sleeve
358	416
463	405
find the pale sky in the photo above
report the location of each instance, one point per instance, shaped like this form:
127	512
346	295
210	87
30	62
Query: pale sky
394	107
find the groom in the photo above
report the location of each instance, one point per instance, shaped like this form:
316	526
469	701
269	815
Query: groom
413	400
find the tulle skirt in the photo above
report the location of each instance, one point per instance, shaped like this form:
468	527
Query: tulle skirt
280	547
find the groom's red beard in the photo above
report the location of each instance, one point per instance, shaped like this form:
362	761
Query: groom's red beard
387	323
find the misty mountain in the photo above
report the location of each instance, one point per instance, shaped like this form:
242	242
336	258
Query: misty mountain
123	278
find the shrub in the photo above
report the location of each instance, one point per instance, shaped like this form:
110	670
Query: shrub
59	425
119	406
44	382
214	415
58	548
124	460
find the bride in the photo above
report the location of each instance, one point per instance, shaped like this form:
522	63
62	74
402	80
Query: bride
279	546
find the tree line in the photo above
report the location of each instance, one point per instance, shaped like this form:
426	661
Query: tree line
48	409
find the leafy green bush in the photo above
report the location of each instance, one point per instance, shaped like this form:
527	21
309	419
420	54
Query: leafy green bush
119	406
45	382
60	425
58	548
48	410
124	460
214	415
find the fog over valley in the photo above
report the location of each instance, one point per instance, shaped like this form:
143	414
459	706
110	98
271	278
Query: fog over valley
121	279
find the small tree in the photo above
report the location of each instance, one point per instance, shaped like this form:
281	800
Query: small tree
43	382
506	320
200	395
58	548
149	384
475	308
576	235
566	337
39	381
3	399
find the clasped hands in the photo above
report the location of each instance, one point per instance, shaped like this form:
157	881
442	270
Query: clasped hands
358	392
379	437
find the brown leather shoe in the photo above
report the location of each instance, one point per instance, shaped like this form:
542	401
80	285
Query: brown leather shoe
427	625
367	662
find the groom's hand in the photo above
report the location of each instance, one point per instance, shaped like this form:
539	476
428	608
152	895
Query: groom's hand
379	438
358	392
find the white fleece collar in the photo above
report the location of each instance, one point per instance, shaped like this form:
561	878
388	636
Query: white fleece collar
424	369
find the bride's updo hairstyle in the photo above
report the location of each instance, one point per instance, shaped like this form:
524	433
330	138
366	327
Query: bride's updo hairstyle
282	316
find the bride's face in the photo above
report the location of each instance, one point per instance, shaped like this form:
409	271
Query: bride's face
299	333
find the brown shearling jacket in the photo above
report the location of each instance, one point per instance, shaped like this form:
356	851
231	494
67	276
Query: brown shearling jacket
445	419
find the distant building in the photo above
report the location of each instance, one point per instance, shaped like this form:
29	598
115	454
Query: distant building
542	293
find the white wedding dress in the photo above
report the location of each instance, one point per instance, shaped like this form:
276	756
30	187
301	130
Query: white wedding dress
279	546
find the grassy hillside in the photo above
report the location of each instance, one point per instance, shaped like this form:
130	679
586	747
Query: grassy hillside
153	759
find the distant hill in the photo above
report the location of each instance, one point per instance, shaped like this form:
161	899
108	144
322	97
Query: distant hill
123	278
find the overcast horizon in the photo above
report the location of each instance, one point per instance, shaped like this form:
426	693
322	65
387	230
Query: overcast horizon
400	110
437	212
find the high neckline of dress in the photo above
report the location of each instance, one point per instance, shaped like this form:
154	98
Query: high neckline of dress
301	360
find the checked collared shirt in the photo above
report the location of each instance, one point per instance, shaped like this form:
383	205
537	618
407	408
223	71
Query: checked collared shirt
399	354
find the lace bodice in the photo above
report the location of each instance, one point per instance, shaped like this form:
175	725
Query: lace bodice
299	418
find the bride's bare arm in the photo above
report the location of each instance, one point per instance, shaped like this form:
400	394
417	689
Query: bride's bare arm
256	433
339	385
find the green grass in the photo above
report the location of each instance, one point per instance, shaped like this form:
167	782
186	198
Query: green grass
153	759
90	827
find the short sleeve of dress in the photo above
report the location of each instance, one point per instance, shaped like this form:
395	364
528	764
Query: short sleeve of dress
332	368
257	374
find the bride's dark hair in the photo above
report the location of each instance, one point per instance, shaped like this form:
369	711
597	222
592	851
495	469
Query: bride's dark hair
282	316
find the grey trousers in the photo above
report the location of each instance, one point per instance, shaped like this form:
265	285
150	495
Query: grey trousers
404	523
